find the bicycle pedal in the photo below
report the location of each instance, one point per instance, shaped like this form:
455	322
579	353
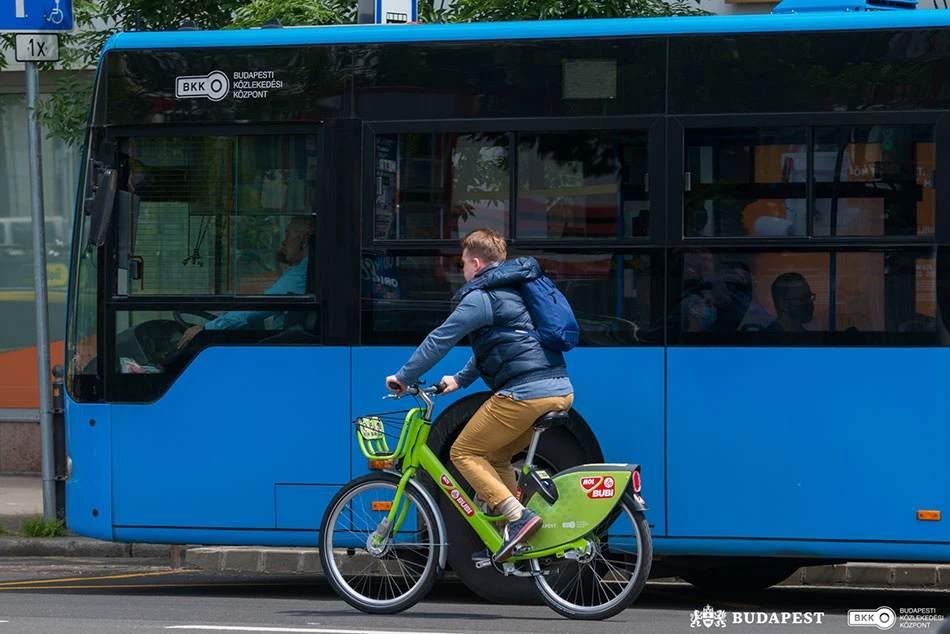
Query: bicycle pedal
481	559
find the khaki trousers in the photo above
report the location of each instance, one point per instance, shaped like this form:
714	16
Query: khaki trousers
499	429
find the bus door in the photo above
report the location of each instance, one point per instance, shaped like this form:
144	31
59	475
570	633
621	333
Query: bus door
227	331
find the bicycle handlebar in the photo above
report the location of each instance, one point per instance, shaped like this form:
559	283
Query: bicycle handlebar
425	393
417	390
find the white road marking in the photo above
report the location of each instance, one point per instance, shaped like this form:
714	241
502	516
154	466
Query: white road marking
308	630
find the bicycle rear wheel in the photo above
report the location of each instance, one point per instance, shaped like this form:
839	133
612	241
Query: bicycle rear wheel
393	576
609	577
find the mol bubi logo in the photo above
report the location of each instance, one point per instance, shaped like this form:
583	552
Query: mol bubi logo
599	488
456	495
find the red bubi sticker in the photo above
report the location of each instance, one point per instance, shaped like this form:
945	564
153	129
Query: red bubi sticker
603	489
456	495
462	504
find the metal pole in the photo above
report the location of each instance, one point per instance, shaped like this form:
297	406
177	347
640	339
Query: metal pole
39	287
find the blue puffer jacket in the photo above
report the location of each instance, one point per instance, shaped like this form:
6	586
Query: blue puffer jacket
506	353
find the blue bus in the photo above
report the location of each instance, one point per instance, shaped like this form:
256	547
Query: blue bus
749	215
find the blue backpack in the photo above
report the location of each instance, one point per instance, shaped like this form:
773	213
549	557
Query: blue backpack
554	323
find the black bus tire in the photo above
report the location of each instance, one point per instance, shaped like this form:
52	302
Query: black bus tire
558	449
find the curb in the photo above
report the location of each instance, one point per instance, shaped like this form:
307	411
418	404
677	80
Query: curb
78	547
893	576
306	561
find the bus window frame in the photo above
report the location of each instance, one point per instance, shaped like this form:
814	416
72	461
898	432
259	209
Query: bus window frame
111	303
652	125
676	337
679	125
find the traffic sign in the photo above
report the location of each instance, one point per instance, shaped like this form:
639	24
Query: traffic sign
37	47
387	11
24	16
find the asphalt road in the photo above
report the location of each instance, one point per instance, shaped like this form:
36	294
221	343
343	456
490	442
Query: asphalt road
52	595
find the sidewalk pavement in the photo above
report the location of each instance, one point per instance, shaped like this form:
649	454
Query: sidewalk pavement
21	496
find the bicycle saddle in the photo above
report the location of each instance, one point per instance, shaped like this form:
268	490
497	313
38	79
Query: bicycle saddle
551	419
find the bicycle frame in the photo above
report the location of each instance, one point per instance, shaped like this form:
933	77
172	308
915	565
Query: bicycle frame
417	455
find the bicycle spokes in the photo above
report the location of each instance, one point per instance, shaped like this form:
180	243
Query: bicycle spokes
375	559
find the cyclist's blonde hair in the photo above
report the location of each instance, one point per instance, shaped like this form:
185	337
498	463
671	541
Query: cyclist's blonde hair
486	244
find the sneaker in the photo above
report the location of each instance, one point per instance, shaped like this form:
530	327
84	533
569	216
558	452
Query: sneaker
516	532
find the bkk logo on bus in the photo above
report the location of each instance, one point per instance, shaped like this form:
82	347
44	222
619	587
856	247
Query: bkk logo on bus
213	86
456	496
252	84
599	488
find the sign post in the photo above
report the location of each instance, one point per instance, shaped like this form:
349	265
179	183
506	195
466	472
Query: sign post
387	11
32	20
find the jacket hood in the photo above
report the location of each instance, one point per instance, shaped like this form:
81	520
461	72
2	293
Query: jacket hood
508	273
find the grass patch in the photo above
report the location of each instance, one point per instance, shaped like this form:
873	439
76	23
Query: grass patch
40	527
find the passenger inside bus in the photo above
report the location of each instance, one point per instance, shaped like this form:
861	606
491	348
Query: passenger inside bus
794	303
294	253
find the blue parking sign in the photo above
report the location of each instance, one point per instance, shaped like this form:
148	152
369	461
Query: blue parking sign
32	16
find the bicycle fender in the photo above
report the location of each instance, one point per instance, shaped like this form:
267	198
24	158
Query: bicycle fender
439	520
587	495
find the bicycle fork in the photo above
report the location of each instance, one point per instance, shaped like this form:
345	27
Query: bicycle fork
390	525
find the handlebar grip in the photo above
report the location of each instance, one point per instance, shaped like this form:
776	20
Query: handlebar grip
395	387
440	387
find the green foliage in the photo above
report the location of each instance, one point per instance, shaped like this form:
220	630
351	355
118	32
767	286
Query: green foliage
63	115
293	13
40	527
507	10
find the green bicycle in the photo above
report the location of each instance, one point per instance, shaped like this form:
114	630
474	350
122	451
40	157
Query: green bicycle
383	541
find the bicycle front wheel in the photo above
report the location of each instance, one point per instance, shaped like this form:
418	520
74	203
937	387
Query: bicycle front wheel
393	575
606	579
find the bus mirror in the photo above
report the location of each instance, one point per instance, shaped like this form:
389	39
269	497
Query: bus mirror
101	207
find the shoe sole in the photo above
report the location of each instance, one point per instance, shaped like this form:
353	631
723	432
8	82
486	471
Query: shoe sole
530	529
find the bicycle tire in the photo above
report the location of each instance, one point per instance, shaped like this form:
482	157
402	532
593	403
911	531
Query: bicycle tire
571	608
426	548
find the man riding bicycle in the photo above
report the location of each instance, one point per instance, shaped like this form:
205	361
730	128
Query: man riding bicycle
527	379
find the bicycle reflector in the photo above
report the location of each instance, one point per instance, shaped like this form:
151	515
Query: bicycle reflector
377	465
381	506
636	481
